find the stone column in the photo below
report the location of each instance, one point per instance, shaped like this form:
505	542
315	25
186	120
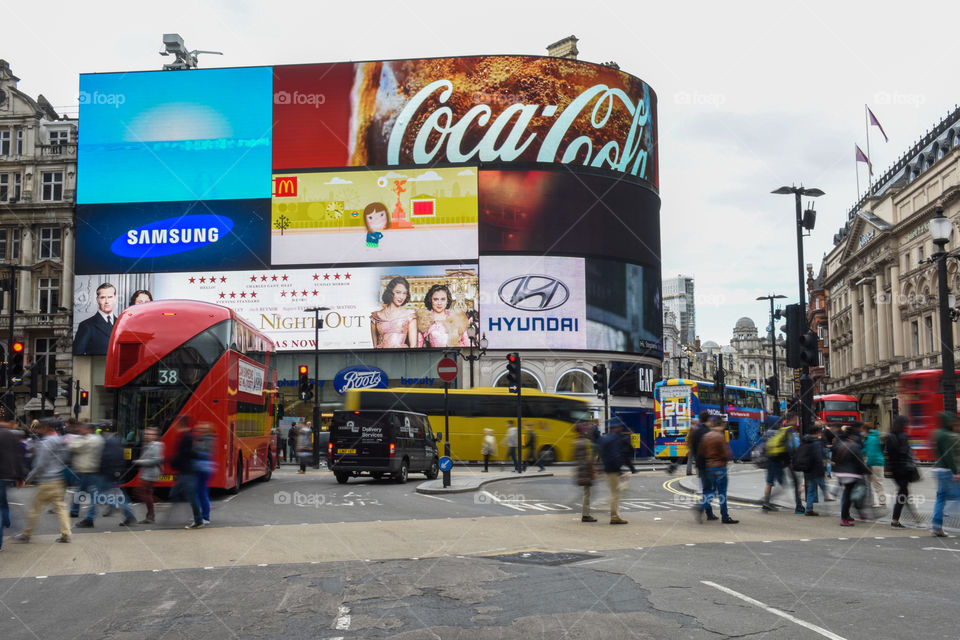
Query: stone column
857	328
883	319
26	276
66	274
869	327
896	319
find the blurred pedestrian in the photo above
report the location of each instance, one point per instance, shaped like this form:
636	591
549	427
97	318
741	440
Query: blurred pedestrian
693	444
203	465
292	443
627	443
715	453
531	445
488	448
585	460
150	463
511	443
945	469
112	467
305	446
694	425
873	451
47	471
611	453
13	468
903	467
850	469
86	448
185	480
809	461
779	447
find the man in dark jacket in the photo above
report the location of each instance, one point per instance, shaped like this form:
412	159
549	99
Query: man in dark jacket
693	443
185	484
111	470
13	469
809	459
611	453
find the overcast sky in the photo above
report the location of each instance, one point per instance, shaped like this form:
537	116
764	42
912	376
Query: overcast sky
753	95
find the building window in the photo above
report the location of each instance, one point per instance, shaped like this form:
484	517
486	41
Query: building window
575	382
915	329
4	187
20	142
49	295
49	243
15	244
4	143
45	350
52	185
17	185
928	325
920	253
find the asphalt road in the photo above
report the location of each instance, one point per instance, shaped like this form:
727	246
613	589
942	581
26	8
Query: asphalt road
521	565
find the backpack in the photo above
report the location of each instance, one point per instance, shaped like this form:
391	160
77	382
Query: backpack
758	456
803	461
777	443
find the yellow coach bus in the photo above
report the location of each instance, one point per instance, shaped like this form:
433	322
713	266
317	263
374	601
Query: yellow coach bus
552	417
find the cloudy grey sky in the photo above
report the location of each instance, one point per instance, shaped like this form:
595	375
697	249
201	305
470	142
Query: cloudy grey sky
753	95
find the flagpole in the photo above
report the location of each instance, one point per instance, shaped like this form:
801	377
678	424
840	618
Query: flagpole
856	165
866	122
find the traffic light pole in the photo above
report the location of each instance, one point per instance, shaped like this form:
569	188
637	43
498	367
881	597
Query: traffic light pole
13	311
806	384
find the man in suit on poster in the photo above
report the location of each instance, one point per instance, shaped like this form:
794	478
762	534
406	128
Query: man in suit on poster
93	334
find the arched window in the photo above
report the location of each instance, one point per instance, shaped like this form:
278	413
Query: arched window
527	380
575	381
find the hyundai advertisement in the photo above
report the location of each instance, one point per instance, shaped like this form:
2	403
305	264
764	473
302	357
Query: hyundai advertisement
410	197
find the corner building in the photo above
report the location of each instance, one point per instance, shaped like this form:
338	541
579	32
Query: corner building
525	188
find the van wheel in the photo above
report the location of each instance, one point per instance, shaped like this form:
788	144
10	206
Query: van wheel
235	489
342	476
548	455
434	470
401	476
269	474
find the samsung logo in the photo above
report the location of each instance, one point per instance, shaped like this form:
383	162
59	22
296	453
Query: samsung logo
534	293
171	236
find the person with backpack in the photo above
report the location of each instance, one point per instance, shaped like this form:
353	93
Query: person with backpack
903	467
850	469
777	448
809	461
694	437
873	450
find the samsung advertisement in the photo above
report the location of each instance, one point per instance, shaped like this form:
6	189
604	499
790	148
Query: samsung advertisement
409	198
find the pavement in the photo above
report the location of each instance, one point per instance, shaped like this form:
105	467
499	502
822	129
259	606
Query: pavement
464	480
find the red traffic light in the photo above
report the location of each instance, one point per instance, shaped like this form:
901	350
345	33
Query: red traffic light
512	357
18	347
304	369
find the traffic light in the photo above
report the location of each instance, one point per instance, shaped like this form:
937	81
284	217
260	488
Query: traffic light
809	349
67	390
304	388
600	380
796	327
513	372
84	397
15	369
772	386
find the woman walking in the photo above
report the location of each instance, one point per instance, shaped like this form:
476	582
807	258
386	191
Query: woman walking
849	467
902	466
488	448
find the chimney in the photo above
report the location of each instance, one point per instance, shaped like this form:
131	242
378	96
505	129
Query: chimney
566	48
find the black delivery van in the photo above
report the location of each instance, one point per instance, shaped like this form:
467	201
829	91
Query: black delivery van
382	443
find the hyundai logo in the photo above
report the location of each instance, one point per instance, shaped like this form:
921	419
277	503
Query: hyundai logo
534	293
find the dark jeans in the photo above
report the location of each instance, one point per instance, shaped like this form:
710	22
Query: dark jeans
203	493
715	484
486	461
185	490
814	482
512	452
4	509
903	493
845	501
89	484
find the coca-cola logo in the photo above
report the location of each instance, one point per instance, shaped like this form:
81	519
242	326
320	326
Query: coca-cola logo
360	377
525	131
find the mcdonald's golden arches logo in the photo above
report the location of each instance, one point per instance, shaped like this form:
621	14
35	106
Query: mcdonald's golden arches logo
285	187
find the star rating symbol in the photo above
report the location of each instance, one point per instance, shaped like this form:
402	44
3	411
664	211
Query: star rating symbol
293	294
253	294
233	295
304	293
253	278
336	276
223	278
284	278
193	280
283	294
202	280
316	276
347	276
222	295
263	278
243	294
315	292
274	278
326	276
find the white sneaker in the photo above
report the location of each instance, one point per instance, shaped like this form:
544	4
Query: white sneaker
205	521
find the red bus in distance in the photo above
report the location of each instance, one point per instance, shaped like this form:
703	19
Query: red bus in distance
174	358
836	408
921	400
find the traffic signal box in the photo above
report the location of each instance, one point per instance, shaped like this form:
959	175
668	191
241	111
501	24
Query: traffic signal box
305	392
513	372
600	380
802	344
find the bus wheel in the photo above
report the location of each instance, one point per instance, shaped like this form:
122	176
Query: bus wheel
269	474
434	470
342	476
235	489
548	455
401	476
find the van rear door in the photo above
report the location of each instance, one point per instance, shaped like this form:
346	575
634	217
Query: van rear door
361	438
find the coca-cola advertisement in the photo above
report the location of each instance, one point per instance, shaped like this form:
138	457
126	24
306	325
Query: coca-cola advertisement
484	110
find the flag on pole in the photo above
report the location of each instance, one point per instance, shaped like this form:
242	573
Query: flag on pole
874	121
862	157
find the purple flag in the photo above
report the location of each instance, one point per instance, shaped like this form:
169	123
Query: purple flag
861	156
874	121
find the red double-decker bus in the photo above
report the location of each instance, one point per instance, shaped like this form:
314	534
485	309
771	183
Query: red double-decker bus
174	358
836	408
921	399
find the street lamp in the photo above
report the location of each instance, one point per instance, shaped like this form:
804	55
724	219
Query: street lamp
941	228
317	325
773	349
805	220
473	329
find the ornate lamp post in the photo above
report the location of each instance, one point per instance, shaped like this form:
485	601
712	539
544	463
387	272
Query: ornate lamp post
941	228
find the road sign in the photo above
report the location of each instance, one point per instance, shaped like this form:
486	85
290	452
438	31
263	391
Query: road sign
445	463
447	369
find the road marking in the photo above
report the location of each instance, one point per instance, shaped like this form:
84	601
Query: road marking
940	549
343	619
427	495
777	612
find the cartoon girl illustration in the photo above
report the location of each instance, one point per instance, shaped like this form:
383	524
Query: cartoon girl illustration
438	326
376	219
392	327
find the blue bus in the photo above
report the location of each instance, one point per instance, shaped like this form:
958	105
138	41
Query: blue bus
678	401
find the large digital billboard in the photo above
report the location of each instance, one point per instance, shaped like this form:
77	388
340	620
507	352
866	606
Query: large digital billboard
411	197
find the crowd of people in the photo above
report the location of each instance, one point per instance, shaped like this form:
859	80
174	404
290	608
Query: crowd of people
75	454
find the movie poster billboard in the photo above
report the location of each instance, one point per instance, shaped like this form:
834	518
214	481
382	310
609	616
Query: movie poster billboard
402	307
356	217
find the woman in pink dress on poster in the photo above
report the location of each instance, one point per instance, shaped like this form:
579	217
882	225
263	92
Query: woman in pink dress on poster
438	326
393	326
